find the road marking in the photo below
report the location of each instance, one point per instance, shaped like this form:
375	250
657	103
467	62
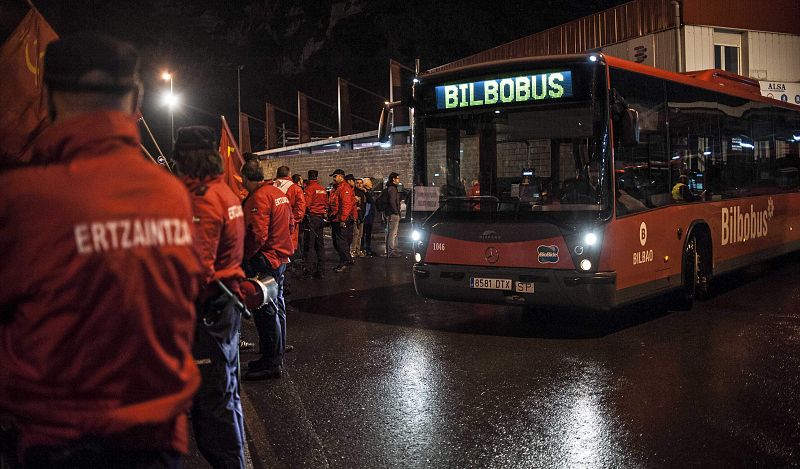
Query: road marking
255	434
304	415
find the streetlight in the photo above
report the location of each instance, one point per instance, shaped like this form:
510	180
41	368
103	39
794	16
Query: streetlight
170	100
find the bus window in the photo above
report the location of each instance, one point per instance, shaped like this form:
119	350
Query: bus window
787	150
643	171
556	143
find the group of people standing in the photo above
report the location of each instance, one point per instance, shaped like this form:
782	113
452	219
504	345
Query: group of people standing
352	208
124	287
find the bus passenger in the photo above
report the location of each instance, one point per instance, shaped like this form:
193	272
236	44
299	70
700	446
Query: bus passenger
475	191
528	191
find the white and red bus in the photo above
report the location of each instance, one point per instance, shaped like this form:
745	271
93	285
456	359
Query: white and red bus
594	182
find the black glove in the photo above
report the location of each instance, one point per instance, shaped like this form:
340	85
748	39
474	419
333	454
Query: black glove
212	309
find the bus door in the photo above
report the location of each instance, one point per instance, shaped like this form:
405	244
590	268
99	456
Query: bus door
643	237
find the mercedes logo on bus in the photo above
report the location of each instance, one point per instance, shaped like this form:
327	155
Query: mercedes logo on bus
492	255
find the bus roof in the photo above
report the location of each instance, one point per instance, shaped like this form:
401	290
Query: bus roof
713	79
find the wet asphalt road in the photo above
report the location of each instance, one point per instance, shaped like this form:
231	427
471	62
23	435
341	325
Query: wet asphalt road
383	378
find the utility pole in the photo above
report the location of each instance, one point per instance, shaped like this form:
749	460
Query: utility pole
239	99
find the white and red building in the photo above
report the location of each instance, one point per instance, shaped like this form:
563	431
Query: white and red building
757	39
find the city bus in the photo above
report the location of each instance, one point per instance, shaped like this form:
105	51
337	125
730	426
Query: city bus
590	181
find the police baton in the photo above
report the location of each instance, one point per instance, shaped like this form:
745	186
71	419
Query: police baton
236	301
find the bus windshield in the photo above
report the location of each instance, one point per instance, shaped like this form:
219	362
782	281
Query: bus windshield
517	161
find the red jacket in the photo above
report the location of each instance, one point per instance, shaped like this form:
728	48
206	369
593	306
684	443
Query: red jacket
316	198
343	203
267	214
297	201
98	282
218	229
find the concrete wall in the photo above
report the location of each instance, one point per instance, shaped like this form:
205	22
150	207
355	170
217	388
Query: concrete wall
373	162
512	157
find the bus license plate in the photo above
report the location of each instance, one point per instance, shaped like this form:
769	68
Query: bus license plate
524	287
490	283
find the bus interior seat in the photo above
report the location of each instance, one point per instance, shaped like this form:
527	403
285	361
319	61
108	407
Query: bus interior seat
659	200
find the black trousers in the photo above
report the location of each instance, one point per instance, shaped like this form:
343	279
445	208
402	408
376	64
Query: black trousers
314	238
342	238
366	238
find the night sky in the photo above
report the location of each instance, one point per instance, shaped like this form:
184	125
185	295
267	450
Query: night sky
287	46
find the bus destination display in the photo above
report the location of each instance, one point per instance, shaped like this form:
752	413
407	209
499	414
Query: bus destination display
513	89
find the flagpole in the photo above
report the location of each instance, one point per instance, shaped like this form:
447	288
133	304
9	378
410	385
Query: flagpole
151	135
147	153
239	100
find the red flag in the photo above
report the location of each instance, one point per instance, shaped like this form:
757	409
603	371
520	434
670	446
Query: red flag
232	160
23	115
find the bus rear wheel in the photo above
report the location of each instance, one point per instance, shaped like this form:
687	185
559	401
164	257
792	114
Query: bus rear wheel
694	273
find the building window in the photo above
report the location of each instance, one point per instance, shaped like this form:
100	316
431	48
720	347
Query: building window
727	51
726	58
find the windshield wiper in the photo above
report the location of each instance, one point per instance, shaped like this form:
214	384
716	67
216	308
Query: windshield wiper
544	216
555	220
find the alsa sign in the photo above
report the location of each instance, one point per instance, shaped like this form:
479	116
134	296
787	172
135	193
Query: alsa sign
514	89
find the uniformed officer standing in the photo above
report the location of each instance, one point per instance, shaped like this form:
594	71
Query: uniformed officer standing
296	199
98	278
217	417
317	200
343	212
268	245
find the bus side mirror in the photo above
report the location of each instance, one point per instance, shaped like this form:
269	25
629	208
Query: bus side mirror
629	124
384	127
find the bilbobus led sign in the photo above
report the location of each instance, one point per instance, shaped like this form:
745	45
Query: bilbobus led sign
508	90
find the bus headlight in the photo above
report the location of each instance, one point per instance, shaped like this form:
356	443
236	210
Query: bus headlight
416	235
590	239
417	257
586	264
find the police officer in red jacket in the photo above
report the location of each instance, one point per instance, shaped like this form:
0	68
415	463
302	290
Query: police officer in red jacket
294	192
98	278
267	248
317	200
217	417
343	212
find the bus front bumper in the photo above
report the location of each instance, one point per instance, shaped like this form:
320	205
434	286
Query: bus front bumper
550	287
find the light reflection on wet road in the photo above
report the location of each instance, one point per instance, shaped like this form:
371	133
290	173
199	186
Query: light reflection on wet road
383	378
